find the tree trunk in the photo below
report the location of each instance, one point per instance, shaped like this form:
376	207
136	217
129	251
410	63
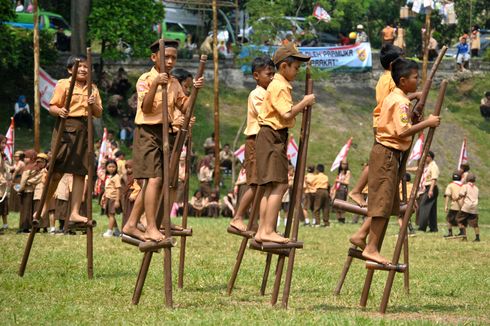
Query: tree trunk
79	13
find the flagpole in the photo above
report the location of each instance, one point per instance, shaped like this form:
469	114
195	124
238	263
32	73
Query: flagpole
37	118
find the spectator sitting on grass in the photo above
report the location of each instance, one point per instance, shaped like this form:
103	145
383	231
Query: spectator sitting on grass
22	114
485	106
226	158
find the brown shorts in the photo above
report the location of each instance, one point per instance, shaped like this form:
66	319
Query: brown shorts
251	160
110	207
467	219
383	182
272	159
147	151
310	201
451	217
62	211
72	155
4	206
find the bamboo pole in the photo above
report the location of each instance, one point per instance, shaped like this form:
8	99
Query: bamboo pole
411	202
180	281
37	104
90	178
216	97
61	127
428	12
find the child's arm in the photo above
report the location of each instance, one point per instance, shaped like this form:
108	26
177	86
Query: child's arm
117	204
431	121
198	83
147	106
306	101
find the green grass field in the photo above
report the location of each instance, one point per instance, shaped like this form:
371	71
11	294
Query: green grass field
450	282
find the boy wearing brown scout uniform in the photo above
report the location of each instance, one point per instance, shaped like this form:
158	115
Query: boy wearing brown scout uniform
322	198
393	136
263	71
73	156
147	140
276	117
309	195
452	204
468	214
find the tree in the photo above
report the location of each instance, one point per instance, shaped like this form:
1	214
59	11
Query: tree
130	21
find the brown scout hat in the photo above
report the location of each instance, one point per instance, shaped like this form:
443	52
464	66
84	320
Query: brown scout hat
167	42
288	50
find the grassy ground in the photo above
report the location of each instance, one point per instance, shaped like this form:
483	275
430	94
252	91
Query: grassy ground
450	282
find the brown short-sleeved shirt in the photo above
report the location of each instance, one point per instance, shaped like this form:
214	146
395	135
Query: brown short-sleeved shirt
112	184
452	191
384	87
255	100
64	187
470	200
175	97
320	181
79	99
278	100
393	121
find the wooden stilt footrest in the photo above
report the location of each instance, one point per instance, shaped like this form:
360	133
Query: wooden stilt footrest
146	246
179	232
400	268
456	237
355	209
276	248
130	240
355	253
80	226
257	246
245	234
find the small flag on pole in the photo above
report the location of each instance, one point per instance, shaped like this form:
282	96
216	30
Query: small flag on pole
321	14
417	149
240	153
105	153
292	151
342	155
463	154
10	136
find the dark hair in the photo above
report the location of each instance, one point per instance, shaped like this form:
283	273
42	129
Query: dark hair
402	68
340	167
111	162
431	154
487	94
119	153
289	60
311	168
388	54
471	177
407	177
155	46
71	60
465	167
456	175
320	168
180	74
262	62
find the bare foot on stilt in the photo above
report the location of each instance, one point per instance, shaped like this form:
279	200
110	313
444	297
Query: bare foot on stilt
77	218
153	235
238	224
358	241
271	237
357	198
134	232
375	256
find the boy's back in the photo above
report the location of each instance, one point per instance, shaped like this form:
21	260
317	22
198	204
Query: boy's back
452	191
470	203
278	99
384	87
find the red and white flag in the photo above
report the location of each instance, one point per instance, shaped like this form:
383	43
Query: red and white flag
342	155
292	151
417	149
46	87
463	154
321	14
240	153
105	153
10	136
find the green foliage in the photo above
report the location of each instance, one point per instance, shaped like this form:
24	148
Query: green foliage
6	12
17	60
131	21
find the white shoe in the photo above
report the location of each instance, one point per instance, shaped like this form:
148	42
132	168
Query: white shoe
5	226
108	234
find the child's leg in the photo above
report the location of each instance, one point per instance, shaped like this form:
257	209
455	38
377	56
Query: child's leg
112	222
151	200
371	252
245	202
4	219
130	228
355	194
267	228
76	199
359	238
51	190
